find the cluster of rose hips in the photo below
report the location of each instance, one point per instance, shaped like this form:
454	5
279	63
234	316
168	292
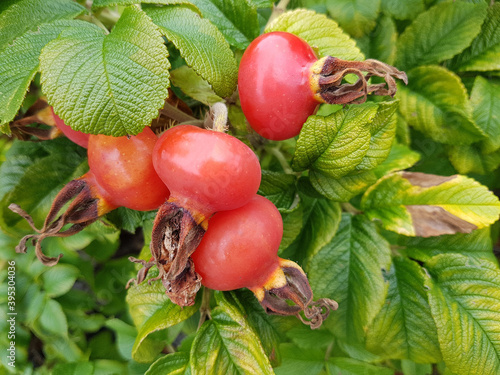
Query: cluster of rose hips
211	227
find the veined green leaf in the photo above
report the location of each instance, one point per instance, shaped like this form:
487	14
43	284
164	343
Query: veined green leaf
439	34
107	3
20	62
383	131
418	204
350	366
349	269
293	221
299	361
193	85
236	19
320	220
152	311
380	44
279	188
400	157
172	364
109	84
435	102
356	17
201	44
476	245
484	52
25	15
59	279
484	99
404	327
336	144
472	159
344	188
402	10
266	326
464	300
319	31
226	344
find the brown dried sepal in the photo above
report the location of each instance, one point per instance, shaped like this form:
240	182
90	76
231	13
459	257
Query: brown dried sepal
39	113
289	283
175	236
85	208
327	75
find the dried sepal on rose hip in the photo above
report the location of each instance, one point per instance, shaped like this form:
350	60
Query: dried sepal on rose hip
239	250
121	175
281	82
206	171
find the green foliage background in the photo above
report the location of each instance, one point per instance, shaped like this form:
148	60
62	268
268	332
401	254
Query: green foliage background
354	189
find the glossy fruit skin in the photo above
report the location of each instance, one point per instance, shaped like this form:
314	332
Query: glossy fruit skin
206	171
274	84
240	246
123	167
81	139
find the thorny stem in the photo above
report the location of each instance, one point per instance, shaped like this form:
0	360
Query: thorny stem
205	306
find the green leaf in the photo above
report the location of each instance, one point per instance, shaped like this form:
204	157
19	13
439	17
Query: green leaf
172	364
383	131
380	44
471	158
267	327
435	103
236	19
439	34
400	157
320	220
58	280
350	366
20	61
404	328
476	245
464	300
78	368
350	270
336	144
107	3
484	52
418	204
279	188
484	98
108	84
200	43
152	311
319	31
402	10
193	85
33	180
299	361
25	15
53	321
344	188
293	222
226	344
356	17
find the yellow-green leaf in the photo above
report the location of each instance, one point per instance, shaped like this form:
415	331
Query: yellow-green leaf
418	204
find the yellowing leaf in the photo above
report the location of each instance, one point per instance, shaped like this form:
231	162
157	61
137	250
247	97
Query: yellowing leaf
418	204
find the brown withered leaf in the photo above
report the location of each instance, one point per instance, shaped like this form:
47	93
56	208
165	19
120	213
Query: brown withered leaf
435	221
